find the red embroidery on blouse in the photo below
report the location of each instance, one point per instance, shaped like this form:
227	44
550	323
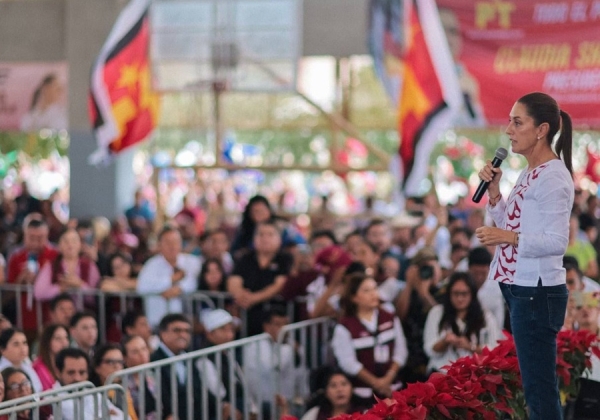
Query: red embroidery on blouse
507	254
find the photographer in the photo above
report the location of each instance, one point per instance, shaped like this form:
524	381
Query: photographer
422	280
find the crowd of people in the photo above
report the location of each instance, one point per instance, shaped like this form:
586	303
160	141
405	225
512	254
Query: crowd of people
408	295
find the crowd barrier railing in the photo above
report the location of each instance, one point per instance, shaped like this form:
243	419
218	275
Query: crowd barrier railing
125	299
311	336
247	374
153	370
193	303
80	398
45	394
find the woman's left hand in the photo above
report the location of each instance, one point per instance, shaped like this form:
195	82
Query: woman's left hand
488	235
463	343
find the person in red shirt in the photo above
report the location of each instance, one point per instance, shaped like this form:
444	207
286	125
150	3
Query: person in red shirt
24	264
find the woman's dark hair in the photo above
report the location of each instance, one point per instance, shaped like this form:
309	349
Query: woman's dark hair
246	229
353	283
544	109
113	257
247	222
6	335
319	380
10	371
354	268
475	319
202	285
38	91
97	361
44	348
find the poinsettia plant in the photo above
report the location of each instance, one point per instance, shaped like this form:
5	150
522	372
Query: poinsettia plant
484	386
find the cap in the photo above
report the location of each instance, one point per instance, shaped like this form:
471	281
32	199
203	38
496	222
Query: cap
333	257
215	318
405	220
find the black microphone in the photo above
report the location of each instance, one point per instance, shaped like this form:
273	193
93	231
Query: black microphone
501	154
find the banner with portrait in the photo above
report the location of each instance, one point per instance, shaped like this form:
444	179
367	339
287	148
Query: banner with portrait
505	49
33	96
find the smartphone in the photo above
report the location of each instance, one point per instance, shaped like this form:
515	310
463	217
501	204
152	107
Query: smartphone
89	238
425	272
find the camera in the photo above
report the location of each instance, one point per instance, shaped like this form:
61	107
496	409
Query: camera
425	272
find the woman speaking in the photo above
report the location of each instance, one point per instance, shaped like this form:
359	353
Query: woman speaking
531	239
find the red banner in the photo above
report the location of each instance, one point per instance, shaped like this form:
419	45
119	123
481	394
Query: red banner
504	49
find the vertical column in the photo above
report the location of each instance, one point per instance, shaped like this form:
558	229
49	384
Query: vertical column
94	191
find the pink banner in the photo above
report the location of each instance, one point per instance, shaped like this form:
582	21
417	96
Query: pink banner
33	96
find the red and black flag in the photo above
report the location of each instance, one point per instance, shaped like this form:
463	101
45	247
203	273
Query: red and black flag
122	107
430	94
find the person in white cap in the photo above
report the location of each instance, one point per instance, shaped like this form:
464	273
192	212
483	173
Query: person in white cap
219	329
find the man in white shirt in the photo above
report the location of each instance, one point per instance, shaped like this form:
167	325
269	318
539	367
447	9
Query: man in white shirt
166	276
488	291
73	367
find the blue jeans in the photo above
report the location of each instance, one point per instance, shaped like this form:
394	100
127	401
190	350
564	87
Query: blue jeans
536	316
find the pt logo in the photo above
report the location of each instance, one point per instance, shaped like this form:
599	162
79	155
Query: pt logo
494	12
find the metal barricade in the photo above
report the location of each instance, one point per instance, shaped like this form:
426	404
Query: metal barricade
45	394
190	303
195	363
96	398
125	303
19	291
309	340
221	298
193	302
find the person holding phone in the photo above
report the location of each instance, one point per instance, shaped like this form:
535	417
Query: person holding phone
423	277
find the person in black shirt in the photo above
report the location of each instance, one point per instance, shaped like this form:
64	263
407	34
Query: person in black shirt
259	276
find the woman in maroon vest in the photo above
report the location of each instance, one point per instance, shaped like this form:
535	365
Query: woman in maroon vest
69	271
368	343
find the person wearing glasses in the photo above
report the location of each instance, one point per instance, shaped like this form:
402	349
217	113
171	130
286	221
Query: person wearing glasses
18	385
107	360
72	367
459	326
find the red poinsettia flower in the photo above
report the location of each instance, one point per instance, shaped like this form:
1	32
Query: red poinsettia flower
483	386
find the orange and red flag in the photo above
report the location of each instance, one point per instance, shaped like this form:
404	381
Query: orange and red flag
430	92
122	107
